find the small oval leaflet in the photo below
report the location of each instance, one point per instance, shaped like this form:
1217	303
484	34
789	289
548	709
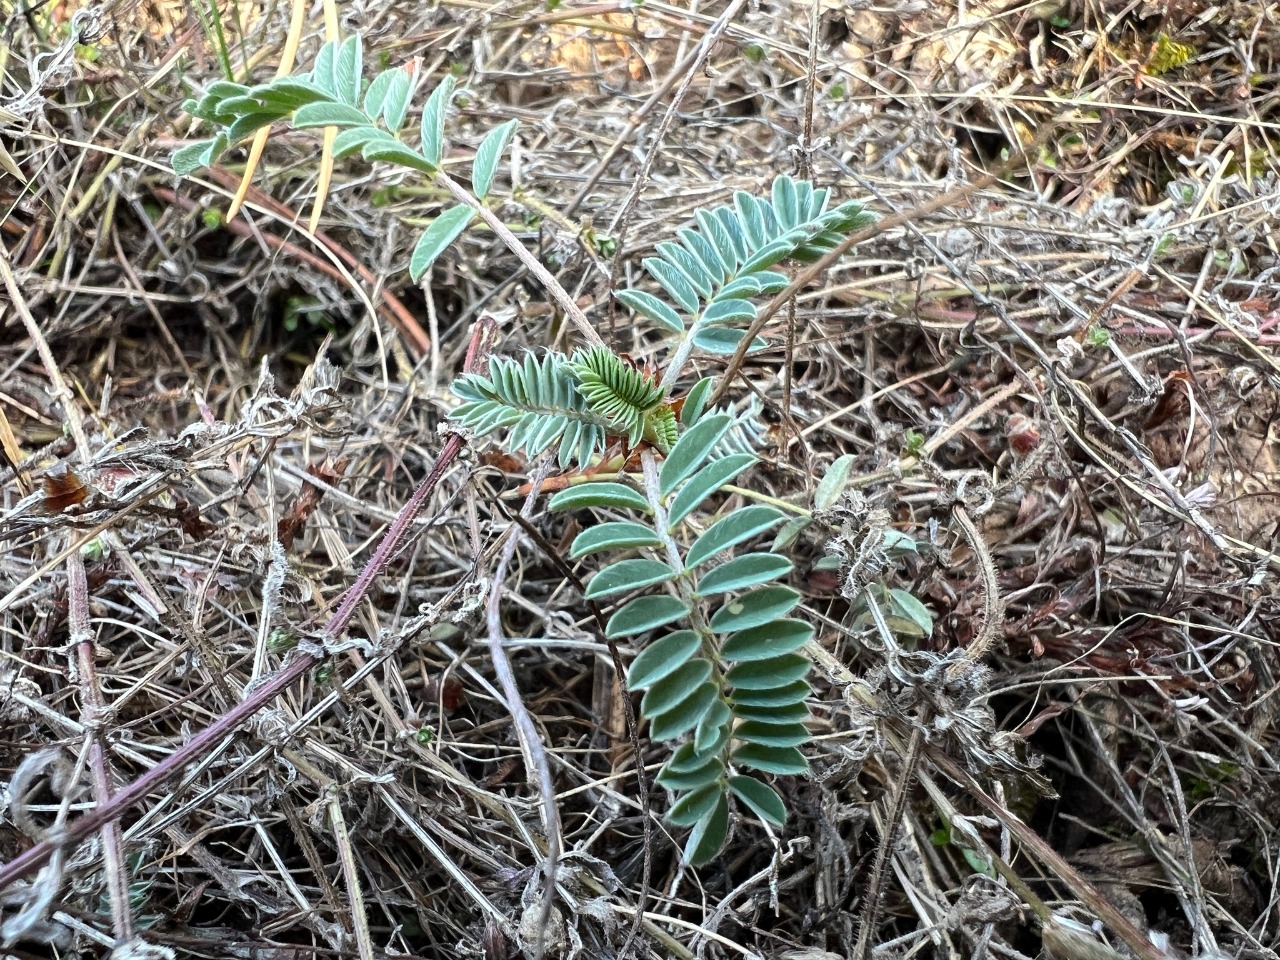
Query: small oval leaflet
755	608
686	716
704	483
599	495
643	614
767	641
762	800
661	658
744	571
731	530
671	690
627	575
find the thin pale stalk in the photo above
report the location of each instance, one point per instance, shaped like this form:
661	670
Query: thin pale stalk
535	755
94	715
531	263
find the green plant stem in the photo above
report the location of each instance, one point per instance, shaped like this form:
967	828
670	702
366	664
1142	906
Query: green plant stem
697	619
531	263
759	497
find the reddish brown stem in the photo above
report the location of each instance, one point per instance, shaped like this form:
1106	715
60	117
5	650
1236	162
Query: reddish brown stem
392	309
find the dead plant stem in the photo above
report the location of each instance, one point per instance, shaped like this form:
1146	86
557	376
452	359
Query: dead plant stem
573	313
889	830
535	755
346	856
94	717
622	219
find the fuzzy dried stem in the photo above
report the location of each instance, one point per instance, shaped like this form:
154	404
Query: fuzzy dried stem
94	715
82	655
535	755
884	852
346	856
992	606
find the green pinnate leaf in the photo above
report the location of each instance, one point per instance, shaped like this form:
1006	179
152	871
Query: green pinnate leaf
723	340
355	139
742	572
766	674
661	658
437	238
225	89
627	575
754	285
761	799
194	156
395	105
790	533
711	770
347	68
329	115
769	254
713	728
692	450
708	836
685	759
733	230
647	305
322	72
696	805
685	716
729	311
250	122
772	734
704	483
643	614
287	94
713	230
782	696
785	205
485	165
708	257
833	483
789	713
689	266
391	150
674	282
433	115
907	606
695	401
731	530
376	96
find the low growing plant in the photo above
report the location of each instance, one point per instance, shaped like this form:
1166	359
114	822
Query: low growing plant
721	662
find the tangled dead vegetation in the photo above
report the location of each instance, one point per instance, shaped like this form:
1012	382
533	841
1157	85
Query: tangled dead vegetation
1063	386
